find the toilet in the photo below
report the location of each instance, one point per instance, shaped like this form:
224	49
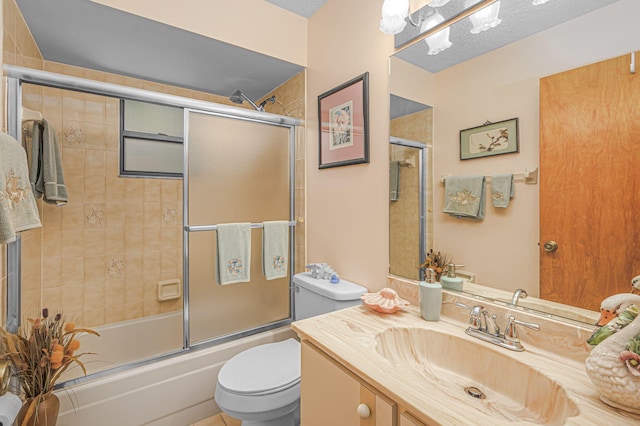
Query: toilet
261	385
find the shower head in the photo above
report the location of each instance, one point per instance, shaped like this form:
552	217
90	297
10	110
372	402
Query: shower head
238	98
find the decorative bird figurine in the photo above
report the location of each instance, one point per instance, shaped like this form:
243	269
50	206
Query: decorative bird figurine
614	364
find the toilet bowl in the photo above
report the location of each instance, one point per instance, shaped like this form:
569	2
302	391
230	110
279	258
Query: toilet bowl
261	385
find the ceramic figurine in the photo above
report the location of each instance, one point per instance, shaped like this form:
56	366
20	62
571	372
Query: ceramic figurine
614	363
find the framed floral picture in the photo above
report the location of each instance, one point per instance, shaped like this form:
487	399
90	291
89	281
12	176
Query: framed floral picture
343	115
489	139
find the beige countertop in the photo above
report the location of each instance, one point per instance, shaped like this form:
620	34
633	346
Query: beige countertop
349	336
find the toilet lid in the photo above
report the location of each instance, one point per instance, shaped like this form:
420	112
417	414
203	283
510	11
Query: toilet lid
263	369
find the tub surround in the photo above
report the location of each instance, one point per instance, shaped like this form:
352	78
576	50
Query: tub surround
557	352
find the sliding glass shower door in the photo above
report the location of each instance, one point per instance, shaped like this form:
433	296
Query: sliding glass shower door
238	170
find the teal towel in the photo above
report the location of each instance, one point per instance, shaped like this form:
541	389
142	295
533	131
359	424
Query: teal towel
464	196
275	249
46	174
394	180
234	253
501	190
18	209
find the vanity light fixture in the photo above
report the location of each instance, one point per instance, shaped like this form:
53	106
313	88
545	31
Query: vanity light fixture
394	13
484	19
439	41
434	28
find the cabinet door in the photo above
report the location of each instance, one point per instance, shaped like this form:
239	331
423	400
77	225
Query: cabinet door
331	395
408	420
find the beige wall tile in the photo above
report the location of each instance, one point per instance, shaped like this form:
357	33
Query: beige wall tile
94	295
134	238
52	243
95	189
52	271
151	266
133	269
94	162
115	189
72	244
94	270
51	216
115	215
134	191
73	274
95	135
94	242
115	241
73	161
152	190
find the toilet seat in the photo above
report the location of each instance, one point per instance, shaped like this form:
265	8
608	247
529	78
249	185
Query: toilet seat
262	370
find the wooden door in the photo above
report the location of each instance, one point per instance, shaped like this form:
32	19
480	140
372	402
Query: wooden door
590	182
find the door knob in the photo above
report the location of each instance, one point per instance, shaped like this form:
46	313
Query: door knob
363	411
550	246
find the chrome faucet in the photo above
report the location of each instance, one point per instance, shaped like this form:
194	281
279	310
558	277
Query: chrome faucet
490	332
517	295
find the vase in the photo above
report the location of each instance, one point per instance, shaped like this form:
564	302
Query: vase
45	414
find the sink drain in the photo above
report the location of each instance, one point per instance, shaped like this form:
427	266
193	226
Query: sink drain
475	392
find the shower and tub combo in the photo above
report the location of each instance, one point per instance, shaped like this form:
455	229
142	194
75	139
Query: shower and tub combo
178	352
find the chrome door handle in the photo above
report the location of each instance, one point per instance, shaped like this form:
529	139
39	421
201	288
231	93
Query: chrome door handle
550	246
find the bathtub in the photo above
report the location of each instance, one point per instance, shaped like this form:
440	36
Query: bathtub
124	342
174	391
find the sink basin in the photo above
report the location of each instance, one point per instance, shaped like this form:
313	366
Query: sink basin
491	381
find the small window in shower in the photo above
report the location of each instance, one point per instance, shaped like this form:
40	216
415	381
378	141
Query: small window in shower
151	139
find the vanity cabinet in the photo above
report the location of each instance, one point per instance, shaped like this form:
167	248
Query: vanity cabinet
332	395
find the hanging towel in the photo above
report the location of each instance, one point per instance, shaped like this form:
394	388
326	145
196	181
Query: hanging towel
394	180
464	196
234	253
18	210
275	249
46	174
502	190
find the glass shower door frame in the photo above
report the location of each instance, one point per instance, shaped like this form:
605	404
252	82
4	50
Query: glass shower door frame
187	230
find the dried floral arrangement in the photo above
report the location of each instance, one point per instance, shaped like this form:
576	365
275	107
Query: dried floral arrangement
436	261
41	352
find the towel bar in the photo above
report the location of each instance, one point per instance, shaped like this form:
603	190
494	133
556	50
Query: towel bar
530	176
199	228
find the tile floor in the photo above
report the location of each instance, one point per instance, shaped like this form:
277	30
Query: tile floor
218	420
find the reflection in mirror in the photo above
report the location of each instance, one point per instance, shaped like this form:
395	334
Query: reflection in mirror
503	250
410	174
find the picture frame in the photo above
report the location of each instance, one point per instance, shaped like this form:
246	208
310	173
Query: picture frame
490	139
343	117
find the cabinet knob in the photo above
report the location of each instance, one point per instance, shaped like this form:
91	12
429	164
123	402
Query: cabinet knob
363	411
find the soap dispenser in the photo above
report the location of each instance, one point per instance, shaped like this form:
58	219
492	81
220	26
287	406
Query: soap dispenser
430	296
450	281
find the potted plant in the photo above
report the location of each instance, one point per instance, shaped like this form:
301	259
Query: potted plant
436	261
39	353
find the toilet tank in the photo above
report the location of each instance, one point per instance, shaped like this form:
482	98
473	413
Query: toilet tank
314	296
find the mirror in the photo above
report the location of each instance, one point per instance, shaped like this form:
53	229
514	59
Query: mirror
502	250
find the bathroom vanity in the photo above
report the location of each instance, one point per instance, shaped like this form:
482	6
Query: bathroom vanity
365	368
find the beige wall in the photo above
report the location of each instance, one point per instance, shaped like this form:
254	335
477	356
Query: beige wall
252	24
348	207
503	249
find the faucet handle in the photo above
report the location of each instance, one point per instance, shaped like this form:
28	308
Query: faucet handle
510	332
475	320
